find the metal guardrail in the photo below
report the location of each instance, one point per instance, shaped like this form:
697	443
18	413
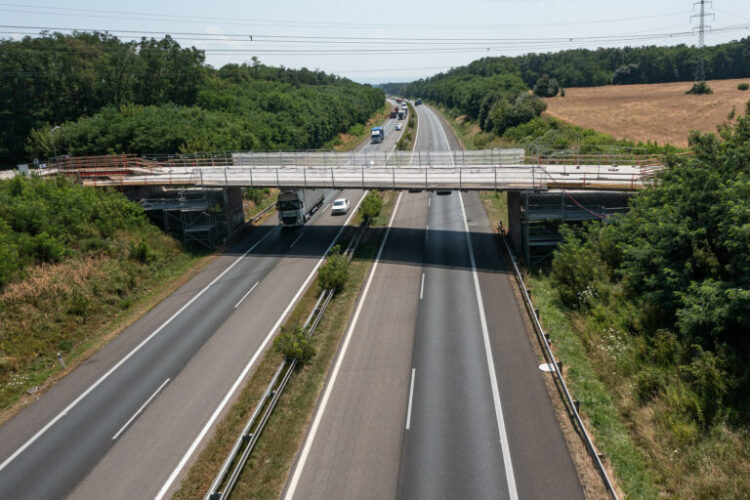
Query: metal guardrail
568	399
231	469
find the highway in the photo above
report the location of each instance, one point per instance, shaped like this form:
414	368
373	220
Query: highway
435	392
129	421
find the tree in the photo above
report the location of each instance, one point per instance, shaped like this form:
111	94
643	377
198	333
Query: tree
371	206
334	274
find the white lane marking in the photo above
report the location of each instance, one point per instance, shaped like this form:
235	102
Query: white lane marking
421	288
127	357
411	397
253	359
296	239
429	200
246	294
140	410
512	491
329	388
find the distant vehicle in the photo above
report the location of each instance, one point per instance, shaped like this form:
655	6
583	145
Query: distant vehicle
398	100
340	206
377	134
399	125
418	102
394	112
296	206
443	191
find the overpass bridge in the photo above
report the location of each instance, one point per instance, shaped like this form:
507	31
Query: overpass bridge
495	169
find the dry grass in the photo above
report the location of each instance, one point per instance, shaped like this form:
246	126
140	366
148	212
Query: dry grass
659	112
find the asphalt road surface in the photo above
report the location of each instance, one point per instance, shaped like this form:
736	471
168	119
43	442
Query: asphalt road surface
435	392
130	420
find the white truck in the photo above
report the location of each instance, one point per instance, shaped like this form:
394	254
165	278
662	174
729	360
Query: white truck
296	206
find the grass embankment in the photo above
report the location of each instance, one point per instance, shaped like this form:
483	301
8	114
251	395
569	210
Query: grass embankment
357	133
406	143
256	199
655	451
265	474
78	266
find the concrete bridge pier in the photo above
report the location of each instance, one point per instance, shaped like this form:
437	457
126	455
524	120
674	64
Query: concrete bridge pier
534	217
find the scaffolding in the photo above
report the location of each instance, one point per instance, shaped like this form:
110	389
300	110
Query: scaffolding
196	216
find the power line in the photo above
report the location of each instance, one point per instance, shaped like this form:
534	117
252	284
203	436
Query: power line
107	14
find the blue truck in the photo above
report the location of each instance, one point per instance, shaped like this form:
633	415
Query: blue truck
377	134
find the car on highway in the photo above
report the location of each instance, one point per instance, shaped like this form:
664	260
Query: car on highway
340	206
399	125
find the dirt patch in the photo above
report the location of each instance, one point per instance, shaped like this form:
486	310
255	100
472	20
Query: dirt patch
659	112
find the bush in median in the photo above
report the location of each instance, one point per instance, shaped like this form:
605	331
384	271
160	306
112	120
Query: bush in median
294	344
334	274
371	206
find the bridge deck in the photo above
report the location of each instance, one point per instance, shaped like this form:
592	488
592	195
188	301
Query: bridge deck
490	169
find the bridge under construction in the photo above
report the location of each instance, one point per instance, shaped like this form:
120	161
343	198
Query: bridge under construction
495	169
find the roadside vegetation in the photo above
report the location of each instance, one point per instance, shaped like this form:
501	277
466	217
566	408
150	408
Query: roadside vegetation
190	107
254	200
649	314
349	140
406	143
75	264
266	471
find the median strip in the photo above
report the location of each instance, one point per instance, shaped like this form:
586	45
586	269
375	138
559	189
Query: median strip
268	465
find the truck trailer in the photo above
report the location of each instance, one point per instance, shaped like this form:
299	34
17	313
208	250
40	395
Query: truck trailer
296	206
377	134
394	112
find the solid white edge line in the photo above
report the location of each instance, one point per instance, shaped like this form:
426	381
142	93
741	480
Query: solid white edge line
127	357
140	409
411	397
253	359
421	288
510	477
329	388
245	296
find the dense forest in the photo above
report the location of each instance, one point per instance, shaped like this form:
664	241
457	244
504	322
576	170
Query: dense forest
604	66
153	96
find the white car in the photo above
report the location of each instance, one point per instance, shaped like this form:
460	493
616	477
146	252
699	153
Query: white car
399	126
340	206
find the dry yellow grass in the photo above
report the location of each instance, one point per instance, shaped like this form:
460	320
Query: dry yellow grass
659	112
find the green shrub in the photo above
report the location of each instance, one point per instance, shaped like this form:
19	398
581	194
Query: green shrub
743	86
371	206
256	195
294	344
334	274
578	272
142	252
546	87
700	88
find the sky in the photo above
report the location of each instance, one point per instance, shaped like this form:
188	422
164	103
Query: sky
379	41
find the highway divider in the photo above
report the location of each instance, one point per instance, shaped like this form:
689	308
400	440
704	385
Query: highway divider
556	365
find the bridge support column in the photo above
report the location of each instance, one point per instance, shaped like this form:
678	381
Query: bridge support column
233	209
514	221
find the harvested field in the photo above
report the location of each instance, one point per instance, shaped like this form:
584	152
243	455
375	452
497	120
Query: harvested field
659	112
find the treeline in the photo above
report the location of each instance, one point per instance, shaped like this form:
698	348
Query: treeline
497	102
153	96
604	66
673	274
